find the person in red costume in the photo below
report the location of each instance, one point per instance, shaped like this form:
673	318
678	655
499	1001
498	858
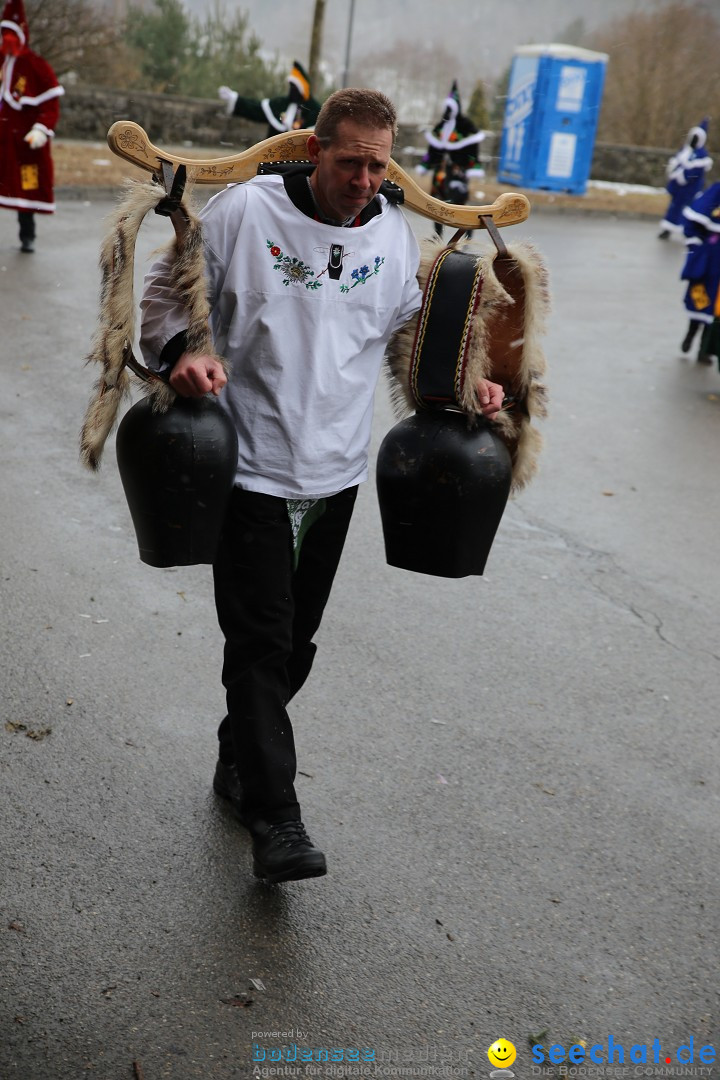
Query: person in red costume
29	112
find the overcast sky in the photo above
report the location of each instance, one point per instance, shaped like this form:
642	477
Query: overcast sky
483	33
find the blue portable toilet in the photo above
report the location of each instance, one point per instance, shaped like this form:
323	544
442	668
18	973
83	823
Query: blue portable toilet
551	117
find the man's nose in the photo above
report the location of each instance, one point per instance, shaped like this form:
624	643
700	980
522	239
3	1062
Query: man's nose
362	176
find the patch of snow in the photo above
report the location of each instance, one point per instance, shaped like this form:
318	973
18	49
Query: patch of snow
625	189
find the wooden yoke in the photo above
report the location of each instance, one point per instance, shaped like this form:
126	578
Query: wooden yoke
130	141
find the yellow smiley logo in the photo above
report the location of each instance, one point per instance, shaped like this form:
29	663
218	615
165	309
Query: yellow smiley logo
502	1054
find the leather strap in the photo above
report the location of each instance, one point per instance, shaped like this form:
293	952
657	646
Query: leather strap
439	357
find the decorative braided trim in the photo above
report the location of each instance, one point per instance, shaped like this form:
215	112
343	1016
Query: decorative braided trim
445	373
528	284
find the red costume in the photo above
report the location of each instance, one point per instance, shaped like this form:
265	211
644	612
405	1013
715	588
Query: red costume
29	111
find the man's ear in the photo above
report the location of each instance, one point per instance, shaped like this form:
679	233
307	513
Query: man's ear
313	147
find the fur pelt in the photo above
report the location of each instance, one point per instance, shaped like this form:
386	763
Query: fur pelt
504	346
112	344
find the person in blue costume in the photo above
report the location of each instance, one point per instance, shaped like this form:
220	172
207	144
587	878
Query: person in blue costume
451	153
702	266
288	112
686	179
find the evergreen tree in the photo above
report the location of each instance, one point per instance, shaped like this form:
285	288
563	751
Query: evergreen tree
162	40
224	52
477	109
497	113
177	53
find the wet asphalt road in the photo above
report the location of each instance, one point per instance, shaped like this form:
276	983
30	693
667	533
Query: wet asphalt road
514	777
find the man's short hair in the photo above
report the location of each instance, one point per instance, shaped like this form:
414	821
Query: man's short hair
363	106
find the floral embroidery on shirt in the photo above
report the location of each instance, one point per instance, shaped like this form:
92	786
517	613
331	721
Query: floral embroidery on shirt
361	274
294	271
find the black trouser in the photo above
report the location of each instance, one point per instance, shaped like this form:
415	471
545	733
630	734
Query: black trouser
269	612
26	221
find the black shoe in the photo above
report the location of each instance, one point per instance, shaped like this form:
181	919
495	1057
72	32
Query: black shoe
226	784
27	245
285	852
664	235
704	358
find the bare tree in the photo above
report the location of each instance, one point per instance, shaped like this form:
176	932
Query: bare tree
72	34
661	75
416	75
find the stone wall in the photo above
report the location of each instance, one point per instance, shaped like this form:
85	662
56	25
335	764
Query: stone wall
636	164
619	164
177	121
168	120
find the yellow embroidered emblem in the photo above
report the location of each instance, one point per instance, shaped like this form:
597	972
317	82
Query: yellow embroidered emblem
699	297
20	85
29	179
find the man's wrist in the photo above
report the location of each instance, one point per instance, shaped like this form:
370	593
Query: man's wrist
172	351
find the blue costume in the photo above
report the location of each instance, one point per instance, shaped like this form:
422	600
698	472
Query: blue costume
702	263
686	179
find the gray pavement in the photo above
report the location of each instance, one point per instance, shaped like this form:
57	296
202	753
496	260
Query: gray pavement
514	777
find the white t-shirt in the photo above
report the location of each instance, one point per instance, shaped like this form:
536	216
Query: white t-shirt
303	312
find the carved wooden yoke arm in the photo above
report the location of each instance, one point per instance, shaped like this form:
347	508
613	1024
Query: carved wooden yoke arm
130	141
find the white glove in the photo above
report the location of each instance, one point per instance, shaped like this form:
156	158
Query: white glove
229	97
36	138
